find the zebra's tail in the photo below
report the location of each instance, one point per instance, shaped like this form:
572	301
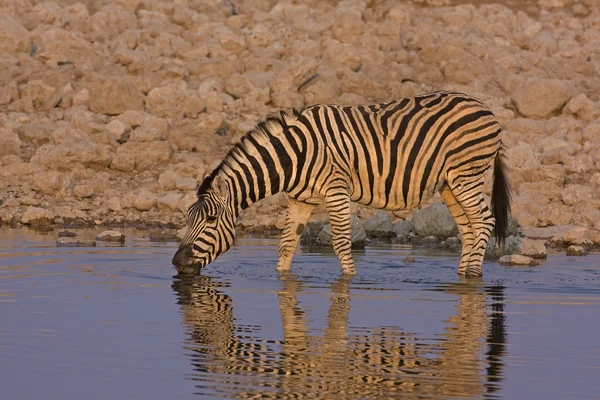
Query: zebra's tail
501	197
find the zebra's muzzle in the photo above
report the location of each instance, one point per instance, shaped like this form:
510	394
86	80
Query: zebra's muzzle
184	261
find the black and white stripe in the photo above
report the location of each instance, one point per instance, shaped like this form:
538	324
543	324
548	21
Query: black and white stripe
390	156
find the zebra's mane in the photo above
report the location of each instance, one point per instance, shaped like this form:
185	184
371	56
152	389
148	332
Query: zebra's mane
264	130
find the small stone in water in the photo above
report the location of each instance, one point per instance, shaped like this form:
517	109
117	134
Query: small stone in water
66	234
409	259
111	236
576	251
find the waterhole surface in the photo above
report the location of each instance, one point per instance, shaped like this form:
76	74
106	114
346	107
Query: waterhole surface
113	323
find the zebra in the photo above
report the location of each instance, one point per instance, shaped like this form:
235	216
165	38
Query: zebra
391	156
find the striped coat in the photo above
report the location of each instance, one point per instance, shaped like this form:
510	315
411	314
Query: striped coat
391	156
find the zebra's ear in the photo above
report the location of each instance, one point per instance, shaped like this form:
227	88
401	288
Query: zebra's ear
221	187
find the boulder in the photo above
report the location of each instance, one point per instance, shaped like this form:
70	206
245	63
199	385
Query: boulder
111	236
402	228
57	45
434	220
36	216
576	251
379	226
72	242
169	202
113	95
144	201
358	237
162	236
516	259
67	156
50	182
174	102
10	143
13	35
539	98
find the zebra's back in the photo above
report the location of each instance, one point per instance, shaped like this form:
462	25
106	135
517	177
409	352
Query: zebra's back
398	154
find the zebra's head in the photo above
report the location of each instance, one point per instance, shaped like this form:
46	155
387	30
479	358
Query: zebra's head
211	227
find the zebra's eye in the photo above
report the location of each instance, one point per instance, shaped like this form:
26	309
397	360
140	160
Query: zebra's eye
211	218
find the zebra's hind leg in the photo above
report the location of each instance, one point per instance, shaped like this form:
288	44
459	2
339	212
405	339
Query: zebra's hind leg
467	236
297	216
469	195
337	201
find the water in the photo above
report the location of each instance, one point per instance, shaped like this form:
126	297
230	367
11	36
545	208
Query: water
112	323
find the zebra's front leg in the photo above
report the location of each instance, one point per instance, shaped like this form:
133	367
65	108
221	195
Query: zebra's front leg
297	216
337	201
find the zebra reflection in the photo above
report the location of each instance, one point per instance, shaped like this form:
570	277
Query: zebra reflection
382	362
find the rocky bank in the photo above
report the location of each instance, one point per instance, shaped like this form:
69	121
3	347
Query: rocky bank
111	112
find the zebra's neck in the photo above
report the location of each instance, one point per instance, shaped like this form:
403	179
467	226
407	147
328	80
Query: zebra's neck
259	166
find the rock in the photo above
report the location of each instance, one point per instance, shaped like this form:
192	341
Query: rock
36	216
174	102
29	201
576	251
112	96
72	242
111	236
114	204
516	259
582	107
358	237
151	129
10	143
434	220
532	248
184	184
312	231
163	236
67	234
452	243
379	226
169	202
56	45
429	241
13	36
402	228
512	245
409	259
123	161
49	182
67	156
144	201
118	130
83	191
539	98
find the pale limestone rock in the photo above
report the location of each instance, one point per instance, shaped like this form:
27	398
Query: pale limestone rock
10	143
347	23
113	95
533	248
13	36
184	184
554	174
146	155
169	202
82	98
187	200
582	107
72	242
516	259
111	236
56	45
29	201
152	129
49	182
48	13
213	123
36	95
123	161
232	42
114	204
288	100
539	98
118	130
572	194
174	102
144	201
37	216
522	156
19	169
168	179
576	251
83	191
66	156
